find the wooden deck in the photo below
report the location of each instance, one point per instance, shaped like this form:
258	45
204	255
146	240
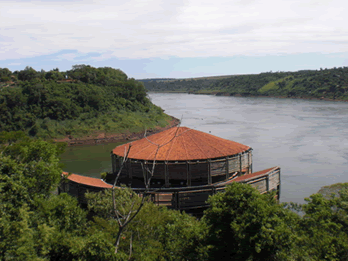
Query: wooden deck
189	198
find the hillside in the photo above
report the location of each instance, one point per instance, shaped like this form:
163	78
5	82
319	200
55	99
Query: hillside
80	102
327	83
181	85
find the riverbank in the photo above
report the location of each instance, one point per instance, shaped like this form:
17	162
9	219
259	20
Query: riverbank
104	137
286	97
217	93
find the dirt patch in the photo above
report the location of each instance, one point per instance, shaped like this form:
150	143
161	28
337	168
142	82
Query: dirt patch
114	137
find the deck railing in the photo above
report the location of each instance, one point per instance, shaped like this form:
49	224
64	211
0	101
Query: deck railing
184	198
193	197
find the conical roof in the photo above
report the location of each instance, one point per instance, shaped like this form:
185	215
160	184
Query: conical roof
180	144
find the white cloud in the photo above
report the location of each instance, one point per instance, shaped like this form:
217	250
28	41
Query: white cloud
143	29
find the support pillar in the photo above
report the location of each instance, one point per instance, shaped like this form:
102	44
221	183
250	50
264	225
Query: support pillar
227	168
209	172
130	176
251	160
166	174
188	174
240	163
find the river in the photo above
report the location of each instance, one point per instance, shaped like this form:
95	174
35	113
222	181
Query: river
306	138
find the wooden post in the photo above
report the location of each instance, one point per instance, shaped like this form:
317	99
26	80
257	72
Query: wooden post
251	160
145	174
130	172
240	163
227	168
166	174
279	186
209	173
188	174
175	200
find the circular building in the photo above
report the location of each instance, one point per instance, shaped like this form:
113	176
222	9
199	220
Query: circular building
183	157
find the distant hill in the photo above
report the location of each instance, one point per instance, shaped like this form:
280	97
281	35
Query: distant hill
323	83
80	102
156	79
181	85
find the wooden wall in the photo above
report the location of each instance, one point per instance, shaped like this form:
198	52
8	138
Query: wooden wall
190	173
266	183
193	198
77	190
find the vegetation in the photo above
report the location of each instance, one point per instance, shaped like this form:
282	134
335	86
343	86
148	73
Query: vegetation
79	102
245	225
241	224
332	190
327	83
36	224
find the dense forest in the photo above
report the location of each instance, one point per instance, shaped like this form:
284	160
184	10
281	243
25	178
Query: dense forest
78	102
240	224
323	83
37	223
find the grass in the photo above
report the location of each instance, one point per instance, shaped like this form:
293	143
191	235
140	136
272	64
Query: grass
273	85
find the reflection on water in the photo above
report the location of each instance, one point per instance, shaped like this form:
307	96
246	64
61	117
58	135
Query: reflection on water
307	139
89	160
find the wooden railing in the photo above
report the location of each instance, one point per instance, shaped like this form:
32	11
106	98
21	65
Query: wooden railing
184	198
192	197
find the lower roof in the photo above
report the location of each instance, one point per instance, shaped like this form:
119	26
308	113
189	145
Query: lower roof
89	181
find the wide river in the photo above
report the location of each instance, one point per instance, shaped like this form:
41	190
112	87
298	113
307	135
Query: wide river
307	139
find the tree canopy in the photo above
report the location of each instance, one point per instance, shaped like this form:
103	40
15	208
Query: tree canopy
240	224
80	102
327	83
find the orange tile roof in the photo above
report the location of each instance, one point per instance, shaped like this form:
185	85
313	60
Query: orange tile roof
254	175
89	181
181	144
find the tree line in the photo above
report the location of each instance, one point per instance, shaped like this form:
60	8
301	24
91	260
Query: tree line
77	102
240	224
323	83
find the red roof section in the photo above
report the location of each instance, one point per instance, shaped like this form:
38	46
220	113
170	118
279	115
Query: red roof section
89	181
181	144
251	176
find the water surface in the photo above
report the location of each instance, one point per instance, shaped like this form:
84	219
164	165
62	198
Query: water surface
307	139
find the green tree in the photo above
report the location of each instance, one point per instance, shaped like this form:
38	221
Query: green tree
35	223
156	233
245	225
29	169
27	74
324	227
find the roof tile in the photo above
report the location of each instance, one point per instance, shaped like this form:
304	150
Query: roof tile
181	144
89	181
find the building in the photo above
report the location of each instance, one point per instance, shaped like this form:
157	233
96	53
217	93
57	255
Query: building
184	167
189	166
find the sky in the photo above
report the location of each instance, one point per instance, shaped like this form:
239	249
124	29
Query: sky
174	38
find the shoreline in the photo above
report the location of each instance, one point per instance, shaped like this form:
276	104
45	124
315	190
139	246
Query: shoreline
215	93
103	138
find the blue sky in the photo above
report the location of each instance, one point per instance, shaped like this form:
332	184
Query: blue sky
177	39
